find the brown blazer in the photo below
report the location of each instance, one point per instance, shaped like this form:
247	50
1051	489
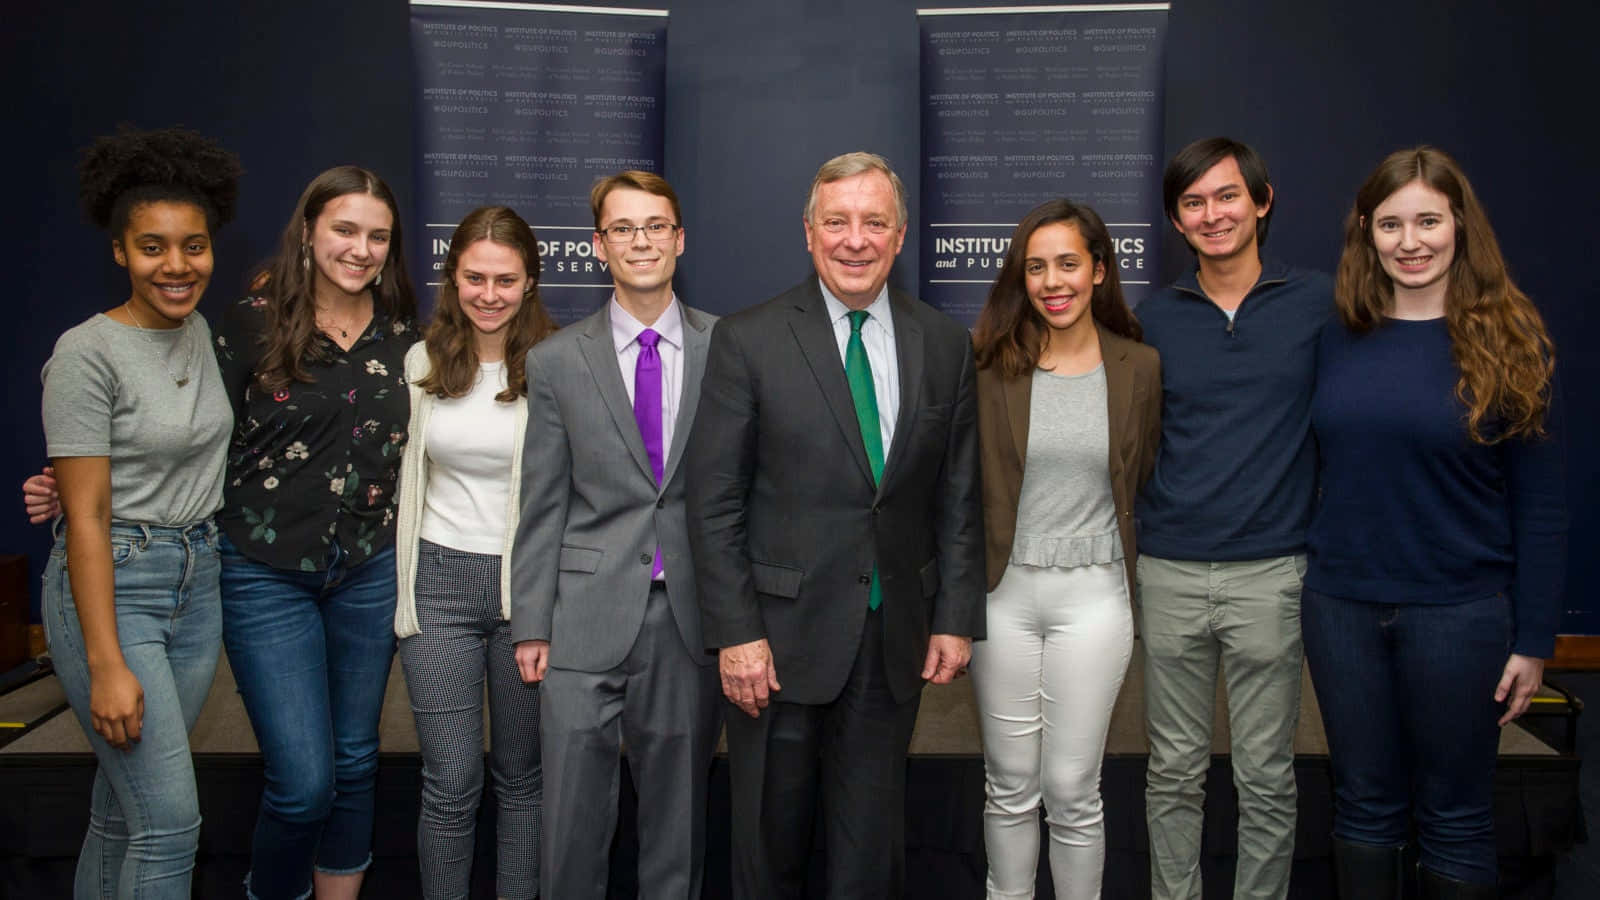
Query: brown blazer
1133	400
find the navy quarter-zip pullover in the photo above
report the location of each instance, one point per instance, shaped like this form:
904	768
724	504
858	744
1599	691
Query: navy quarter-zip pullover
1235	476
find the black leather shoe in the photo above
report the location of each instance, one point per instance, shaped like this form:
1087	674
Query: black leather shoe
1369	872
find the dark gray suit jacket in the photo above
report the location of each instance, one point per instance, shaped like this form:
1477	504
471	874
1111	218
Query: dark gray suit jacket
785	524
591	511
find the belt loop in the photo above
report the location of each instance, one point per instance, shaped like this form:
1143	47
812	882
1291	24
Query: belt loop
58	526
144	543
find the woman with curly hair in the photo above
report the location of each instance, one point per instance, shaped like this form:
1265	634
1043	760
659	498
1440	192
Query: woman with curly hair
1069	415
458	516
1437	555
312	364
136	422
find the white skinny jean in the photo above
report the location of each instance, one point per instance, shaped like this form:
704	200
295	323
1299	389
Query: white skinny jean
1046	678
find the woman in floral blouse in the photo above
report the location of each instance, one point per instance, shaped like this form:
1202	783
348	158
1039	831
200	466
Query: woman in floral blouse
314	365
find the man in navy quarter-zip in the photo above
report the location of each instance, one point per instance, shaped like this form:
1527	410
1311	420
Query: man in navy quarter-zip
1223	519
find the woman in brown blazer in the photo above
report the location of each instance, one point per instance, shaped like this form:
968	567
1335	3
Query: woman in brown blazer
1069	414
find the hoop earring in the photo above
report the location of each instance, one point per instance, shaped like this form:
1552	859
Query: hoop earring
378	281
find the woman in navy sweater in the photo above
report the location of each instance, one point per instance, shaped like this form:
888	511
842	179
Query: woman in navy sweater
1438	552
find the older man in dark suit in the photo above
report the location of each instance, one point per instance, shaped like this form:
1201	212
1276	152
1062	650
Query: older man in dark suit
834	519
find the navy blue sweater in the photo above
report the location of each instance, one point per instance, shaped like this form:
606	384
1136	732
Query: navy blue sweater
1236	473
1413	511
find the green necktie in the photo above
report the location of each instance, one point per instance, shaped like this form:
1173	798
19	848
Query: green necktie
859	371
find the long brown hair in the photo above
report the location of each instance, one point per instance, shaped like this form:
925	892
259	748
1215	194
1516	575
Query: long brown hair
1010	333
1497	338
451	341
289	282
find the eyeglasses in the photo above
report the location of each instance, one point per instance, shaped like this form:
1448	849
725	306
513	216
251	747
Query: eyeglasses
623	234
838	225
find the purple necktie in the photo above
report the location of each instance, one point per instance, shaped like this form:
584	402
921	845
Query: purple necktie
647	411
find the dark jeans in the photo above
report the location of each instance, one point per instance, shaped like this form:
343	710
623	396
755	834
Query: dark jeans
1407	697
311	652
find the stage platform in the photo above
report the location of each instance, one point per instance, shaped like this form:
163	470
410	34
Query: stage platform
45	775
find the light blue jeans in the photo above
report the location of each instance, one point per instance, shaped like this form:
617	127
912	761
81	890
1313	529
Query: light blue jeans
144	816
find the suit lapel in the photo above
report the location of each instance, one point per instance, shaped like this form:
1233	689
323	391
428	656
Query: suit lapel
814	333
908	353
1119	396
601	357
696	340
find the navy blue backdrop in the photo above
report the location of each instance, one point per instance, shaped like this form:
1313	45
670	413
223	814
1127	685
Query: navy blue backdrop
758	93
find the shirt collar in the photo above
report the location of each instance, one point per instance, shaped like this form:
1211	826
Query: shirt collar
625	328
1272	270
877	310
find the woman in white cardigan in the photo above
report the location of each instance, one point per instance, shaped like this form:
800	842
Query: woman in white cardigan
458	514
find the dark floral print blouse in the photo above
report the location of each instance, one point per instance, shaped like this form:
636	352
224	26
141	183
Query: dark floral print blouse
316	462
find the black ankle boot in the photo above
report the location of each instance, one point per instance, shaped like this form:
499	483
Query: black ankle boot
1438	887
1368	872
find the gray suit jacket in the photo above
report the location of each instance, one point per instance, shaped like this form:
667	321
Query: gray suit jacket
592	514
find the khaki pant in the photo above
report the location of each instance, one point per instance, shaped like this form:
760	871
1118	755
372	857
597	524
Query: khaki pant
1245	617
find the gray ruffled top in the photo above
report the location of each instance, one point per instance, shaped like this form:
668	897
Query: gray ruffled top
1066	516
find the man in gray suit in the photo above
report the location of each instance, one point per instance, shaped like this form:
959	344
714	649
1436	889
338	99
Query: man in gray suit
604	607
834	516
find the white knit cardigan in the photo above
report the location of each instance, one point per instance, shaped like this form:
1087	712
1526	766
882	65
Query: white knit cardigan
414	487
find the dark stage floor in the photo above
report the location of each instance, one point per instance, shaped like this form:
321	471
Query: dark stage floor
45	777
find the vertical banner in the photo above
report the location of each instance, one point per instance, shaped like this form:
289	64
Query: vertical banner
1024	104
525	105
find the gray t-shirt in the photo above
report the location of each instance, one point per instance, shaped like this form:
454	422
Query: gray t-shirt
109	390
1066	515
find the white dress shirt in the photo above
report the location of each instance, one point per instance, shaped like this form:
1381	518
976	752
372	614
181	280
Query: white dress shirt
877	335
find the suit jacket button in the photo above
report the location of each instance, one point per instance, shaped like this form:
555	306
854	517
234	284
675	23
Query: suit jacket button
864	579
646	558
661	503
